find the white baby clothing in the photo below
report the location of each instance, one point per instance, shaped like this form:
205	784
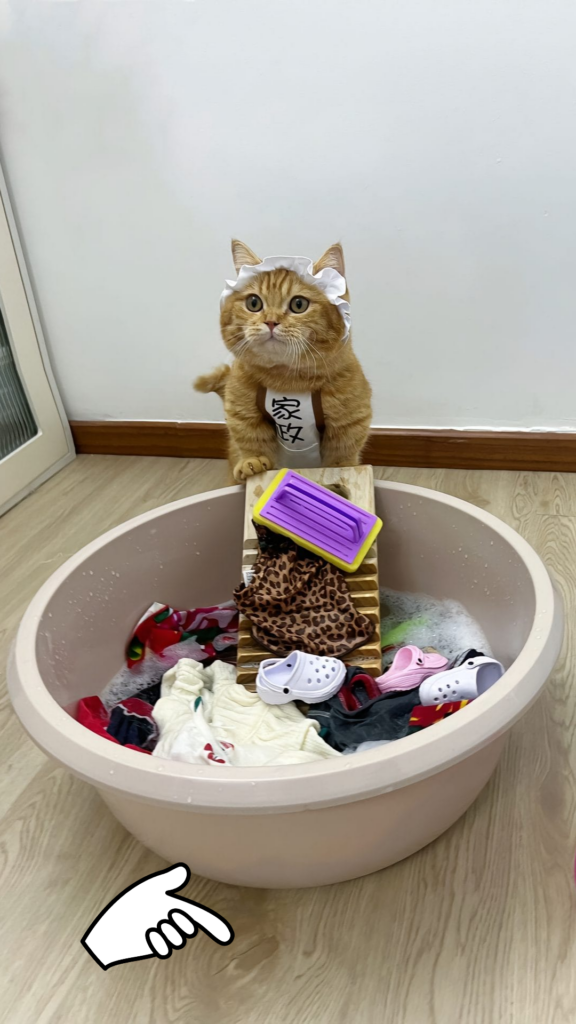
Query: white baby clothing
205	716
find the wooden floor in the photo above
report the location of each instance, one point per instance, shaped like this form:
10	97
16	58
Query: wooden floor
479	928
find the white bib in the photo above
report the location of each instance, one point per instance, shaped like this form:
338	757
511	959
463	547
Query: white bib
295	421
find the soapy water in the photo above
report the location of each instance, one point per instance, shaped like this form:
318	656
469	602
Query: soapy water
440	623
128	682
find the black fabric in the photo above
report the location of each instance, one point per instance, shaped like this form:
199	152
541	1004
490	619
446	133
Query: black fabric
465	656
152	693
384	718
131	722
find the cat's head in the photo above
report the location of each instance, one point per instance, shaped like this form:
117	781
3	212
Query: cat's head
280	317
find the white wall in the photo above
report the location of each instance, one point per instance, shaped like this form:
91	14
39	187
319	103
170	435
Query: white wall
435	138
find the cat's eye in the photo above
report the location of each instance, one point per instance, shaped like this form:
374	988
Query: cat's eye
254	303
299	304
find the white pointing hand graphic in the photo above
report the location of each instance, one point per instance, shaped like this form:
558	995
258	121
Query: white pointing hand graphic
148	919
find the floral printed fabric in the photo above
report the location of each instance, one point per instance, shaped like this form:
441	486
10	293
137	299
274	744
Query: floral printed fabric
207	632
162	636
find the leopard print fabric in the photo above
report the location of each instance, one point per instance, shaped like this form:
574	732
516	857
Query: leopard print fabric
297	601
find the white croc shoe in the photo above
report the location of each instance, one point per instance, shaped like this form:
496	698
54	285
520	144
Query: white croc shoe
466	682
299	676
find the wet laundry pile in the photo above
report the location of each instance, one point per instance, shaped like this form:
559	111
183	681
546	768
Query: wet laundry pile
177	697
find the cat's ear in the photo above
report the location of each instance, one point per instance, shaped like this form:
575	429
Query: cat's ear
333	257
243	256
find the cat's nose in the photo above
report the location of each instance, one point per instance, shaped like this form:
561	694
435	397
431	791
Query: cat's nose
271	324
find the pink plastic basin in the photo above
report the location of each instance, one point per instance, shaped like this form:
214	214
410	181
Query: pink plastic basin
296	825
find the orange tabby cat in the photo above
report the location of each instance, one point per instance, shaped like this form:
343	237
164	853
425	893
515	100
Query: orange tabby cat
287	339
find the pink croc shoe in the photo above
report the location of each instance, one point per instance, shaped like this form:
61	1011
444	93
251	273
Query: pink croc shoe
409	668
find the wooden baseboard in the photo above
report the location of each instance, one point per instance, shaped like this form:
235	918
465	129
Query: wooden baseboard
473	449
445	449
150	437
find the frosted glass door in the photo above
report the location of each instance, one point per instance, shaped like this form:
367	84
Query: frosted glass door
17	424
35	439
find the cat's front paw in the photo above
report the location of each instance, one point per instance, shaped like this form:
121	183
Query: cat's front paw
251	467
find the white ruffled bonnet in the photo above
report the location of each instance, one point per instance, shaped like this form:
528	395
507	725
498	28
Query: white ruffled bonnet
328	280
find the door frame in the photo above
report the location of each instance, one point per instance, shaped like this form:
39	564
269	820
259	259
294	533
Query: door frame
29	311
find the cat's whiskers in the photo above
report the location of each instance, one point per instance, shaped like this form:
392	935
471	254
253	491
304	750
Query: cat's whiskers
302	349
296	359
313	359
240	349
297	349
295	363
239	346
312	348
310	359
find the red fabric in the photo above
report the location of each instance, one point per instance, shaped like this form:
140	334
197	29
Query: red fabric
423	715
158	638
92	713
135	706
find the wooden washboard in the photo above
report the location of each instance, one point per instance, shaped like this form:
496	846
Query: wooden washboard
356	483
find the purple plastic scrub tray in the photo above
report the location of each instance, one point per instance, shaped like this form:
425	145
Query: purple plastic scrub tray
318	519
